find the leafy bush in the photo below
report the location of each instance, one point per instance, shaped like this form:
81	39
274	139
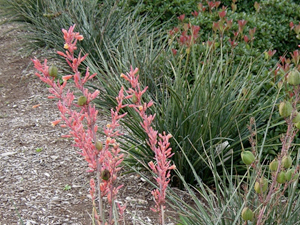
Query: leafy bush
272	29
242	6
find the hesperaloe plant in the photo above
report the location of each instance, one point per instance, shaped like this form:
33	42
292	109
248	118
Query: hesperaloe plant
104	158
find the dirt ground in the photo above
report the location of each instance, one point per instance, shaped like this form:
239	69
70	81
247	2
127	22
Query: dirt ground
43	179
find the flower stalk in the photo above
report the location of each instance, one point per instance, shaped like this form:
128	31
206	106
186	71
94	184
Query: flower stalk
159	143
80	117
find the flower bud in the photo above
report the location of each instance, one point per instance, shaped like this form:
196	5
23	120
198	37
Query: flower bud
53	71
247	157
281	177
293	77
273	165
105	175
247	214
287	161
285	109
262	185
82	100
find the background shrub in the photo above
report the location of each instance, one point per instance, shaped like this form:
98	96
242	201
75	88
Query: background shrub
163	10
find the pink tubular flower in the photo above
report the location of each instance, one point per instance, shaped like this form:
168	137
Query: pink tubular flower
65	78
54	123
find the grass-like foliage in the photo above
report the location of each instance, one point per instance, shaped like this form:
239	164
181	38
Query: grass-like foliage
200	100
101	22
263	195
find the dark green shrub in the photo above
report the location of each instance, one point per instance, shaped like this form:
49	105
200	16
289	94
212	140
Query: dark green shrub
242	6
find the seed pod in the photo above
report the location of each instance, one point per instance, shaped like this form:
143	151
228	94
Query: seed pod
293	77
53	71
285	109
247	214
247	157
297	125
105	175
262	185
287	161
82	100
99	145
134	99
296	118
281	177
273	165
289	174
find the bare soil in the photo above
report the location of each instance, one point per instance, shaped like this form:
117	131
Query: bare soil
43	179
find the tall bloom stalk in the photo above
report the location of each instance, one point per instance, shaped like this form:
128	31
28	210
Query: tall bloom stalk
81	117
159	143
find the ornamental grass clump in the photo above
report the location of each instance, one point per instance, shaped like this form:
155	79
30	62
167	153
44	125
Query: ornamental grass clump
104	158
